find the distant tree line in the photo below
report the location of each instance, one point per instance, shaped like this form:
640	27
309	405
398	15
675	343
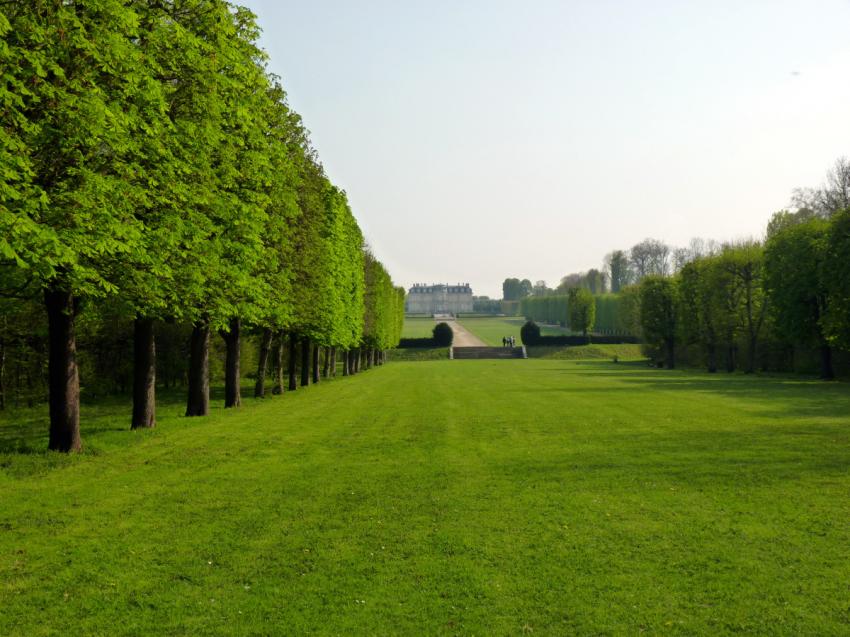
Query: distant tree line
153	175
745	305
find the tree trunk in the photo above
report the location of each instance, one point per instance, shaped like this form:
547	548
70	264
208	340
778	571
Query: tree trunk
671	354
293	359
317	349
751	354
730	359
712	358
144	374
63	374
355	362
232	373
278	362
2	374
826	371
346	356
305	362
198	403
263	363
326	364
332	357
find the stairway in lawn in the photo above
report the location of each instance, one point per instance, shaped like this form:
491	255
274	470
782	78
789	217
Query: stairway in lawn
487	352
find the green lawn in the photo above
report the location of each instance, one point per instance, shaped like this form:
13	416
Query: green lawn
418	328
499	497
623	352
492	329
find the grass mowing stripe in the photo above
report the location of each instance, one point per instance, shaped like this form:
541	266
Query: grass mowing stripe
445	497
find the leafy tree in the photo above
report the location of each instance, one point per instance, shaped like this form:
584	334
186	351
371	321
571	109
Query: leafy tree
582	308
618	270
700	300
745	264
797	287
82	106
837	281
659	318
628	313
515	289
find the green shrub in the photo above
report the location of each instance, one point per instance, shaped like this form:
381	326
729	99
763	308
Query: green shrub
443	335
529	333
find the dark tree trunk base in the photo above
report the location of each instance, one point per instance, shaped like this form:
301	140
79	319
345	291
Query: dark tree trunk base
263	364
293	359
279	370
326	365
63	374
144	374
305	362
826	371
316	371
198	401
232	372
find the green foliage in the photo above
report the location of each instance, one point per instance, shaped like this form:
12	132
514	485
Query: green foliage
796	281
658	314
837	280
582	310
530	333
442	335
514	289
148	157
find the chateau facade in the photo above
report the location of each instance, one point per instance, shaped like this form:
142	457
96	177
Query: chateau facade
438	299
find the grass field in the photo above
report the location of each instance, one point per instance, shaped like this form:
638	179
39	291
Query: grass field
447	497
492	329
418	328
624	352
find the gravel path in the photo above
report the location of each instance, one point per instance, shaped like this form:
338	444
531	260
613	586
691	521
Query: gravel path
463	337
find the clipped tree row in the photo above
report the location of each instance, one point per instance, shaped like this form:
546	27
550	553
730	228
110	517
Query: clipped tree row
753	305
580	310
151	166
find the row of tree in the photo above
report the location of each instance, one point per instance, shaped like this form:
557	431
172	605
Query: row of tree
791	290
738	305
149	162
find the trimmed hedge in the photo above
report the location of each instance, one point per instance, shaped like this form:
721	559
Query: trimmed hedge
443	335
408	343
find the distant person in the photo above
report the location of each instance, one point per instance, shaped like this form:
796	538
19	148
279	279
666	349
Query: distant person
513	341
504	342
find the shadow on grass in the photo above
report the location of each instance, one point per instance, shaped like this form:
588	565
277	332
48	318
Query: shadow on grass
25	430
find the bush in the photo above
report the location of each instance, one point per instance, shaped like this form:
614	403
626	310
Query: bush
443	335
530	333
411	343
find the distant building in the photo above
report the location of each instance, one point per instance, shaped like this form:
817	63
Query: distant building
439	299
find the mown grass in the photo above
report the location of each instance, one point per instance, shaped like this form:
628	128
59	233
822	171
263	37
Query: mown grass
418	327
418	354
445	497
624	352
491	330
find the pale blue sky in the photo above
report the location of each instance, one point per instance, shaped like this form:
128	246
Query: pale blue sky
484	139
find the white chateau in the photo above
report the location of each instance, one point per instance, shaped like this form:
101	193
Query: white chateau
439	299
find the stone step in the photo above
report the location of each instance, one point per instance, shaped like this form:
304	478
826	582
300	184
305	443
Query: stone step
488	352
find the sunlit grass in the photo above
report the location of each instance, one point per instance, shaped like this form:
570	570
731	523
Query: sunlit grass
445	497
